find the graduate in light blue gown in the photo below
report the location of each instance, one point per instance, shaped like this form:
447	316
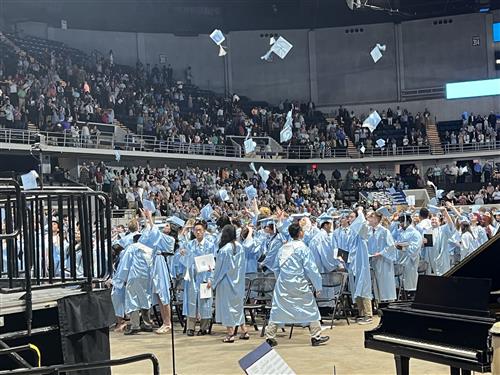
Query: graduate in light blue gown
438	254
293	300
340	236
467	241
271	243
360	281
134	274
194	306
229	284
322	246
409	243
56	250
423	225
118	289
477	231
251	249
163	245
383	255
454	247
310	230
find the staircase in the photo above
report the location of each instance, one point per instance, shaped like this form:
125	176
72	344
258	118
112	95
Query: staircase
352	151
434	139
430	191
121	126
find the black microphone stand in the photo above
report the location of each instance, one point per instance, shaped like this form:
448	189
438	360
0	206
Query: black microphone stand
173	299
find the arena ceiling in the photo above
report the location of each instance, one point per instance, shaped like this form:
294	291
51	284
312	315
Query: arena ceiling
186	17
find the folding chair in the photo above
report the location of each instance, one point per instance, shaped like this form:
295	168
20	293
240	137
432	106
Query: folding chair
260	295
333	292
179	298
250	309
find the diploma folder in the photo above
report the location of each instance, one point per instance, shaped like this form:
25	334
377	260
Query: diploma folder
429	239
343	254
263	361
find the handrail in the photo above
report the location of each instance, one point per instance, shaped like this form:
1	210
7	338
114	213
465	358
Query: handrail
133	142
57	369
448	148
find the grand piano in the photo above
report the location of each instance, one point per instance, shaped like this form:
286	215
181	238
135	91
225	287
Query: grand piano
449	320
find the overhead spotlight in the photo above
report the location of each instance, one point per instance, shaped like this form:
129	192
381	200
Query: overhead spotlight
353	3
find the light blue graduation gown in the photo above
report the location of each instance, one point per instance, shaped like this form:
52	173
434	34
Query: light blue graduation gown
380	241
340	238
467	245
229	285
273	245
192	303
160	278
134	272
293	299
480	235
424	227
439	254
118	290
409	257
56	254
252	254
322	249
309	235
126	240
360	281
454	247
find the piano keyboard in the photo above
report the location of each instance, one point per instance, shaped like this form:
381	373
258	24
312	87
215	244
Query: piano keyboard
427	346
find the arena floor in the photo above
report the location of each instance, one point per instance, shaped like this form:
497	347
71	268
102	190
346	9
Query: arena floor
208	355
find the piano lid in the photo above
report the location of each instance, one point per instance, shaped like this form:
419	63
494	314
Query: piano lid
453	295
482	263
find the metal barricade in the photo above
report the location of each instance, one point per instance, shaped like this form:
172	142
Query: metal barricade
53	236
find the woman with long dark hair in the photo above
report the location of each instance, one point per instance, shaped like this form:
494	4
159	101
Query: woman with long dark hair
467	240
229	284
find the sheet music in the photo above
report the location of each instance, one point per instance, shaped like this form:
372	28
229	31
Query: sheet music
270	363
205	292
204	262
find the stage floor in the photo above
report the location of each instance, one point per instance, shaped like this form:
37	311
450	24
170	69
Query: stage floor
208	355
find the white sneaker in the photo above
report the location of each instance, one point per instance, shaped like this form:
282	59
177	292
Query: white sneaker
365	320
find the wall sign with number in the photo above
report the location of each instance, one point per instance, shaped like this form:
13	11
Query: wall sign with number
476	41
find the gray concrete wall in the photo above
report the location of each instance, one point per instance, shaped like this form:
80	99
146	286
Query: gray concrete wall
271	81
124	45
437	54
328	65
37	29
345	70
199	52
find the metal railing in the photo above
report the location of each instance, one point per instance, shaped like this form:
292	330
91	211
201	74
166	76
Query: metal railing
398	151
70	368
304	152
471	147
64	237
151	144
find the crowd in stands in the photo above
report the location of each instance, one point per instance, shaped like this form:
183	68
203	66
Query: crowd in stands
398	128
180	191
475	129
56	89
54	86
